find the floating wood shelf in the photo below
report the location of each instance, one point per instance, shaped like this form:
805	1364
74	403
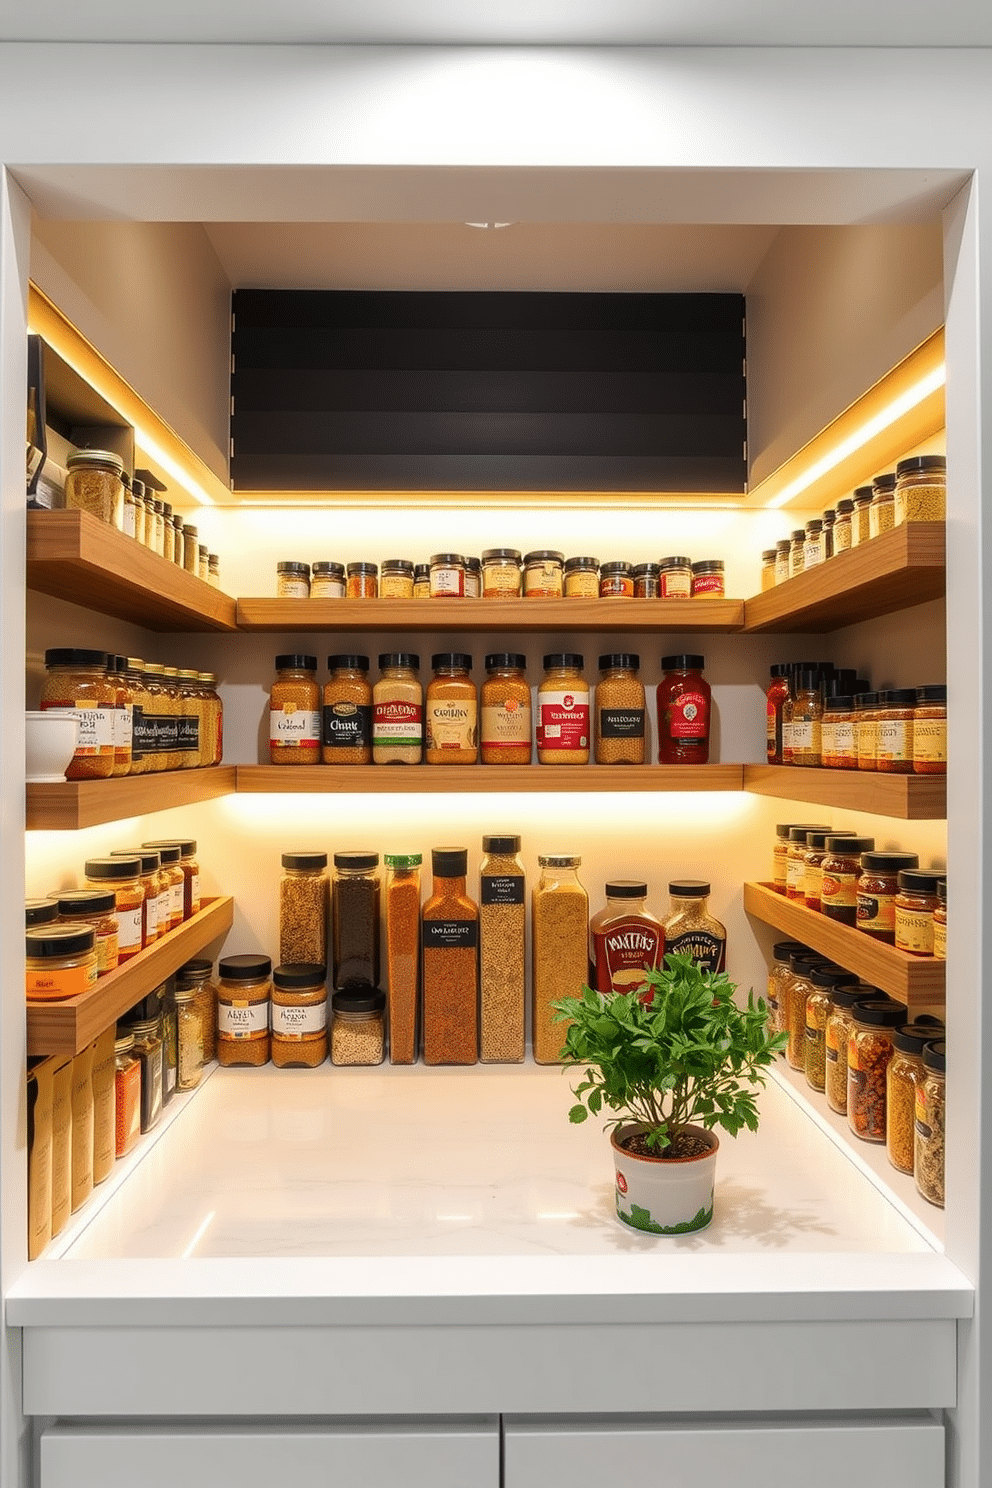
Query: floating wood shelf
900	568
918	981
69	805
495	615
912	797
66	1027
375	780
72	555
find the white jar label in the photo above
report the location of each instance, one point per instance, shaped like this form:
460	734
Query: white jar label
828	738
895	739
297	1022
294	728
563	720
806	736
812	552
195	894
163	911
125	726
843	741
127	519
451	724
940	940
95	733
930	740
129	929
293	588
240	1020
507	725
151	918
839	890
676	583
813	882
447	581
914	930
176	902
795	875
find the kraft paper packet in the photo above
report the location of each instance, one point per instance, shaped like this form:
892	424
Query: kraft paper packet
82	1127
61	1145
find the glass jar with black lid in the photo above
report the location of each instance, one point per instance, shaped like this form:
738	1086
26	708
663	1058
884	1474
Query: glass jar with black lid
355	899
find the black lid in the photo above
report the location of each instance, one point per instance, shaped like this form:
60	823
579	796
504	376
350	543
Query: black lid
40	912
921	881
848	847
458	661
688	888
362	568
865	701
446	559
819	838
845	995
195	970
928	1020
399	659
708	565
169	852
617	566
839	703
888	862
808	679
829	515
783	829
832	976
628	660
356	663
921	462
511	553
364	999
897	697
246	968
301	974
59	940
798	833
296	661
676	561
782	546
564	659
291	567
683	663
845	506
862	493
652	570
85	901
73	656
449	862
798	534
935	1056
815	524
360	859
115	868
501	844
505	659
884	482
783	949
421	571
149	856
881	1014
780	669
932	693
581	563
801	961
911	1038
305	860
403	565
186	845
626	888
768	555
544	555
334	570
942	889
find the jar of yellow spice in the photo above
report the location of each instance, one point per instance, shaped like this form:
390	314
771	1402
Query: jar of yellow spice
299	1016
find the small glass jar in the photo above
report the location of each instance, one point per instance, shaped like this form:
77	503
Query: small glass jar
940	922
683	701
396	579
191	871
159	526
398	711
76	682
767	570
842	533
829	522
860	516
505	728
778	980
928	1155
363	581
150	1053
690	929
402	942
930	731
823	980
447	576
543	574
501	577
358	1032
189	1038
152	891
625	939
647	581
563	722
451	712
837	748
355	900
244	993
814	548
841	866
304	902
795	858
294	712
502	960
866	730
421	581
783	560
708	579
816	851
178	542
797	990
123	875
140	513
869	1051
61	961
780	856
93	484
127	1094
896	710
129	519
921	489
903	1078
213	570
619	711
881	510
173	876
878	886
96	908
196	977
299	1016
203	564
797	552
169	533
327	581
836	1039
914	909
581	578
559	949
616	581
191	549
473	578
346	716
806	724
675	575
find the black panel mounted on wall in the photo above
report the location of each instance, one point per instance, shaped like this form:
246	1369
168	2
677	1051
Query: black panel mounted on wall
474	391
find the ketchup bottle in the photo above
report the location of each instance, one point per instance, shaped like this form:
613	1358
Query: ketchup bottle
683	712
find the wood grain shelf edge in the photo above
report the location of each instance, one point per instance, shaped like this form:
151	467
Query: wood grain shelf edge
446	779
909	797
73	804
511	615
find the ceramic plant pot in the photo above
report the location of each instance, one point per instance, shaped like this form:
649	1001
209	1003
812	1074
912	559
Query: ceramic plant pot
49	743
664	1195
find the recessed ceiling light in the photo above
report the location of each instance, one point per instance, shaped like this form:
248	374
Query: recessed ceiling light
489	224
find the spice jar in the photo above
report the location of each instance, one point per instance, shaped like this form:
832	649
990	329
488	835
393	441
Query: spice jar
294	712
860	517
355	918
303	902
129	521
797	551
501	579
683	700
780	856
140	512
76	682
127	1094
150	1053
675	576
447	576
543	574
563	711
807	719
894	753
473	578
293	580
559	949
620	711
616	581
61	961
171	873
190	868
869	1050
327	581
778	979
363	581
40	912
767	570
707	579
921	489
451	963
836	1037
505	726
878	886
940	922
451	723
158	525
93	484
299	1016
840	867
837	734
398	711
96	908
189	1034
814	546
812	870
169	1030
358	1032
581	580
829	522
776	695
153	892
798	988
123	727
197	977
881	509
346	717
914	909
502	963
930	731
866	729
842	526
783	560
203	564
244	990
421	581
903	1078
396	581
647	581
625	939
823	979
213	741
191	549
403	953
928	1163
122	875
690	929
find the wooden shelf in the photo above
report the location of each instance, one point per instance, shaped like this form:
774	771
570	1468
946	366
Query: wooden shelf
918	981
496	615
66	1027
72	555
901	568
67	806
911	797
445	779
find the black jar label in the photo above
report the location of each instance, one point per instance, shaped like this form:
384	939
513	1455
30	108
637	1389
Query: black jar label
621	723
502	888
189	734
347	725
451	934
154	733
706	949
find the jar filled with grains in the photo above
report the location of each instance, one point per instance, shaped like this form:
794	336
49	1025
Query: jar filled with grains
244	991
807	719
293	580
767	569
708	579
168	1021
451	711
894	752
191	549
93	484
903	1078
940	922
841	868
780	854
149	1050
191	871
543	574
299	1016
928	1162
97	909
346	717
501	577
358	1032
122	875
327	581
203	564
814	548
355	895
829	522
837	734
816	851
783	560
563	711
778	979
616	581
581	578
294	712
505	712
620	711
861	516
690	929
869	1052
675	574
127	1094
559	948
169	526
647	581
447	576
797	551
197	977
155	900
421	581
402	899
451	963
914	910
398	711
842	526
140	511
362	581
190	1041
76	682
213	744
930	731
921	489
502	963
396	579
835	1039
473	578
61	961
128	510
881	511
159	527
878	885
303	906
823	980
798	989
866	729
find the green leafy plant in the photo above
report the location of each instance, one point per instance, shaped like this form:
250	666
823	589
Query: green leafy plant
679	1052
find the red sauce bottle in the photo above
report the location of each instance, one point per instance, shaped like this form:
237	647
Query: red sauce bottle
626	938
683	712
775	696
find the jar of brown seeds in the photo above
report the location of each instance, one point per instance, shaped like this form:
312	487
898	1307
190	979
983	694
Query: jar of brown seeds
620	711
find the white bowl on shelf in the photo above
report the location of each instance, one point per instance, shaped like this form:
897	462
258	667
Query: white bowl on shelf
49	744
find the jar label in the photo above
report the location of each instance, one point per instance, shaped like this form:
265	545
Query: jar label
163	911
806	736
506	725
812	882
930	740
107	950
581	585
842	744
129	929
828	739
867	739
563	720
625	950
795	874
447	581
940	940
188	740
298	1022
128	523
618	587
842	536
151	918
543	580
812	552
124	727
689	716
501	888
451	934
242	1020
782	569
676	583
397	723
895	739
877	913
294	728
95	726
779	869
194	894
500	579
326	588
705	948
914	930
711	583
65	981
292	588
839	889
772	725
153	733
396	586
452	724
621	723
347	725
176	901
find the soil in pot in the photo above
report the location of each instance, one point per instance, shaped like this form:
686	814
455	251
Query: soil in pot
684	1144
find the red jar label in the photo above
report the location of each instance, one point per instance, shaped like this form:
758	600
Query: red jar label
563	721
625	951
707	584
689	716
839	890
397	723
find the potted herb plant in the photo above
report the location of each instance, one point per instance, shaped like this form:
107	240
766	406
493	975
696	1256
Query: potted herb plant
673	1060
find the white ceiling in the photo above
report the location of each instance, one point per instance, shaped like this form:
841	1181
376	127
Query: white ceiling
966	23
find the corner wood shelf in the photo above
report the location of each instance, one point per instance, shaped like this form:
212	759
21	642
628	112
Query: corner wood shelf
911	797
497	615
900	568
917	981
66	806
448	779
72	555
66	1027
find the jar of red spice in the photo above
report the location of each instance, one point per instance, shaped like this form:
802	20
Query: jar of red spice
795	859
816	851
616	581
930	731
841	866
363	581
837	734
866	730
894	753
97	908
776	696
707	579
878	885
683	712
676	578
869	1052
